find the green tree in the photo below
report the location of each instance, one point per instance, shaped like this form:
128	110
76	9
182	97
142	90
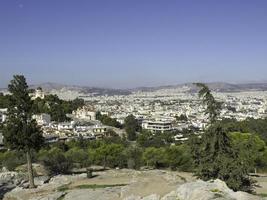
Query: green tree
131	126
250	147
20	131
106	120
213	153
154	157
182	117
213	107
78	156
179	157
110	155
54	161
4	100
148	139
134	157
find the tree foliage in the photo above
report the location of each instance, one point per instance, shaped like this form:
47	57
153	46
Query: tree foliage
20	131
214	154
106	120
131	127
55	161
56	107
213	107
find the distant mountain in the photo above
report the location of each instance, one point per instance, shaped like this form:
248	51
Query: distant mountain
215	86
83	90
74	91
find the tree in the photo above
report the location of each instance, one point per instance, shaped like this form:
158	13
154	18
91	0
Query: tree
55	161
131	126
214	154
106	120
148	139
20	131
110	155
154	157
179	157
250	147
182	117
134	157
213	107
78	156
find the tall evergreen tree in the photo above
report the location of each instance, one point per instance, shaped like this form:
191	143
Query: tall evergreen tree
131	126
213	107
213	153
20	132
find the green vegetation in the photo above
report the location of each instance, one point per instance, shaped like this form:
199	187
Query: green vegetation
131	127
56	107
228	150
20	131
12	159
88	186
216	190
216	155
4	100
182	117
106	120
250	125
55	161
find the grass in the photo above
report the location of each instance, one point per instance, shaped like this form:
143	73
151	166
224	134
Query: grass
262	195
63	188
61	198
215	190
89	186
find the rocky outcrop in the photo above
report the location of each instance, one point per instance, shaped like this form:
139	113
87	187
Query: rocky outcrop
167	186
201	190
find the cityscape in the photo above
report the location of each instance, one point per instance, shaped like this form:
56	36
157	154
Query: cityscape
158	110
133	100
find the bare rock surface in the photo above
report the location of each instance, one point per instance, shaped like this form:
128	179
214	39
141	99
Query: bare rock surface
201	190
125	184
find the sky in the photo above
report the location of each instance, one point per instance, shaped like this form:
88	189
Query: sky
132	43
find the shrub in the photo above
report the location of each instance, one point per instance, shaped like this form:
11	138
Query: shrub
78	156
12	159
55	161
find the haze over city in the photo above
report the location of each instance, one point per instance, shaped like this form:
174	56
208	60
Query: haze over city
124	44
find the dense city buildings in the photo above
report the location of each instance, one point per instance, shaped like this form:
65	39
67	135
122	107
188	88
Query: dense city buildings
159	111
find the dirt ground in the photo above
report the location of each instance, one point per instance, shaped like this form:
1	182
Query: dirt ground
262	184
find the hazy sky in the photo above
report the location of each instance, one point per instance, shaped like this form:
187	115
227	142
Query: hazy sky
128	43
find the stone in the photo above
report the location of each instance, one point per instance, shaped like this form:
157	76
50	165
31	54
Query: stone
40	180
201	190
53	196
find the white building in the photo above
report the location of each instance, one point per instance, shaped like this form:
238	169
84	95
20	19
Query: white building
3	115
85	113
157	126
38	94
66	126
42	119
1	139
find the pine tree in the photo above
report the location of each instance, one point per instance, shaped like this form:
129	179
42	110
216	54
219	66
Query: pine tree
213	153
20	132
131	126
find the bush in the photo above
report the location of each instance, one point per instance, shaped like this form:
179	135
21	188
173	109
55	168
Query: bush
55	161
110	155
78	156
134	157
179	157
12	159
154	157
